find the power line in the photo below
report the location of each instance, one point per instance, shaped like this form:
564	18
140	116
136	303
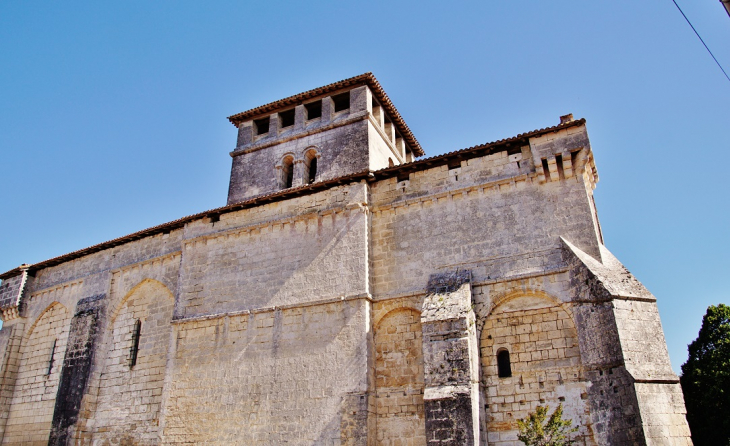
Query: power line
703	42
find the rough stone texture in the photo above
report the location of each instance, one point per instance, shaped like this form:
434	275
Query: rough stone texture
545	360
451	360
77	362
31	409
262	265
264	371
11	291
129	398
449	420
360	312
399	378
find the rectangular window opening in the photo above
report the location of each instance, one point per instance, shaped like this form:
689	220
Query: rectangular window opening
546	169
314	110
559	162
262	125
341	101
403	176
287	118
454	164
574	159
377	110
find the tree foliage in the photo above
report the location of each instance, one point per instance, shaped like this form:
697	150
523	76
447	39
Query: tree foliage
536	431
706	379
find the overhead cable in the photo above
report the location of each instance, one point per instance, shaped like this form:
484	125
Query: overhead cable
703	42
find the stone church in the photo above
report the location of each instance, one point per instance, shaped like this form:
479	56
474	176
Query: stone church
351	292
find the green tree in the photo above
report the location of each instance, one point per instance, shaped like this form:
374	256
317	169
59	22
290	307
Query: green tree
706	379
536	431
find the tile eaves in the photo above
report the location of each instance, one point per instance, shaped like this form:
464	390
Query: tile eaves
363	79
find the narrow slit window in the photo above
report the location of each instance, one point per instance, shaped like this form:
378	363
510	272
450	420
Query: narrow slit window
574	160
314	110
546	169
341	101
287	118
50	360
559	163
134	349
262	125
377	111
504	368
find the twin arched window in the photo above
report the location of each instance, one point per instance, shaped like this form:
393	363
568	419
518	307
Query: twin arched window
309	173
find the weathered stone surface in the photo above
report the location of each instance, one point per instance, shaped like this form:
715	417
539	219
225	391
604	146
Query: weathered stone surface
76	369
370	309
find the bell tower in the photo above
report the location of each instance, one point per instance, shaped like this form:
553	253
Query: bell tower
330	132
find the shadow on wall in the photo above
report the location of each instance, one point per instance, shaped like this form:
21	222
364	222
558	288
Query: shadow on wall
282	374
322	257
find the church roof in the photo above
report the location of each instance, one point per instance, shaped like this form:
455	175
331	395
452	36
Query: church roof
422	164
363	79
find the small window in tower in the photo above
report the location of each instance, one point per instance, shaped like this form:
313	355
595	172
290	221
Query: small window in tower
287	171
134	348
287	118
341	101
504	369
314	110
261	125
310	166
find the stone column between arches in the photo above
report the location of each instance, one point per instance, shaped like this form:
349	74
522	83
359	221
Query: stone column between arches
450	353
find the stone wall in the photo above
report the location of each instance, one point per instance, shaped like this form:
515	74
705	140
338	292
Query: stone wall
305	253
128	402
399	378
41	359
542	342
488	216
270	377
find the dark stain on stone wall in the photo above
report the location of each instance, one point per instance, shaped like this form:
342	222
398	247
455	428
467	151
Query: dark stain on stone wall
449	421
76	368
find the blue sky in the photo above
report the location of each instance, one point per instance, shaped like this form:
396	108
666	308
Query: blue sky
113	113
